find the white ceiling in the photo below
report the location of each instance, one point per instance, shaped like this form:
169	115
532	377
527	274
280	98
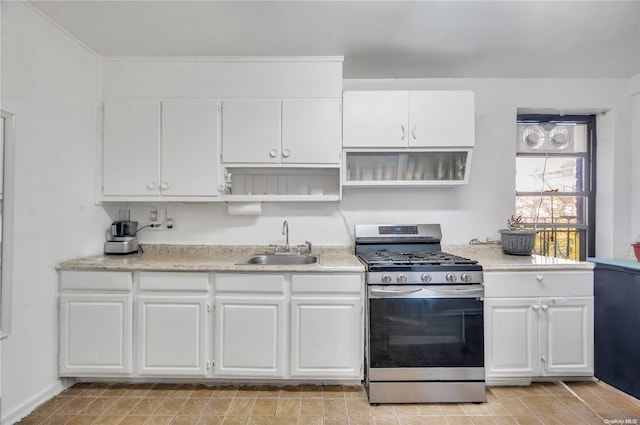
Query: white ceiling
379	39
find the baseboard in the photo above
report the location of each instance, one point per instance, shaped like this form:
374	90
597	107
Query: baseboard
10	418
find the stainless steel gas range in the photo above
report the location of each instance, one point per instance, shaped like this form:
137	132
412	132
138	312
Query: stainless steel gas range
424	312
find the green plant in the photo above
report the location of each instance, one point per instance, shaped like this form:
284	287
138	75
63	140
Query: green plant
515	223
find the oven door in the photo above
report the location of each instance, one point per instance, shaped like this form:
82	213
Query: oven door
425	332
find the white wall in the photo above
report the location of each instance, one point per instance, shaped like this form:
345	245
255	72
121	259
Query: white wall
634	91
50	83
474	211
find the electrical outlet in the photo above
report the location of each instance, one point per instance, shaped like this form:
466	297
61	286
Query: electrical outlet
154	219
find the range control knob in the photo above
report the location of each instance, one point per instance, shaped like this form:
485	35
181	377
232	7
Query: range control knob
451	277
466	277
426	277
402	278
386	278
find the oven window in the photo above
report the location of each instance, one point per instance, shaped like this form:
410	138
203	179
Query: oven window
426	332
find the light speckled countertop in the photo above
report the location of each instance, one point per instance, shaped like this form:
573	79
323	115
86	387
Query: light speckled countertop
332	259
492	258
212	258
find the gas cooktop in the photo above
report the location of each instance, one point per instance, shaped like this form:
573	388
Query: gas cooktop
429	258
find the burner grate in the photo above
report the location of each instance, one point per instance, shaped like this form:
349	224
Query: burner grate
430	258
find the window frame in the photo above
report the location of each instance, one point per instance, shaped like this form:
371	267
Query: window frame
588	243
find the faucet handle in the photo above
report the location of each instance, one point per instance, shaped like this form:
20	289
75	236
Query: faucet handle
308	247
275	247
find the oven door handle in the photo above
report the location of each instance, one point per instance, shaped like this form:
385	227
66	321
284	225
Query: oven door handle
383	292
428	292
467	293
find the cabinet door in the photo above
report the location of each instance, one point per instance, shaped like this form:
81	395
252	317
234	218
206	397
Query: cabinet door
441	118
566	342
95	334
375	119
326	337
511	338
189	147
131	147
251	131
250	337
171	336
311	131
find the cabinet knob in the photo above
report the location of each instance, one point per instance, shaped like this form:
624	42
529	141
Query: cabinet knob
539	277
413	132
403	132
545	307
543	359
273	153
164	185
286	153
151	186
536	307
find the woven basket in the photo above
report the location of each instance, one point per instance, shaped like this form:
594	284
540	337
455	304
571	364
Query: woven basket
518	242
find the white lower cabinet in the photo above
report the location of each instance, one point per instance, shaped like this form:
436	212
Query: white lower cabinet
548	332
326	326
95	325
251	323
95	334
163	325
171	335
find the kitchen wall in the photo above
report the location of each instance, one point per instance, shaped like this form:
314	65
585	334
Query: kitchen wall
477	210
634	90
49	83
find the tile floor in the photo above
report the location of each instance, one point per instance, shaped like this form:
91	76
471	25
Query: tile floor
540	403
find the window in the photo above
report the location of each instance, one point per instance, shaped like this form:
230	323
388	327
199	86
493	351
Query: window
555	183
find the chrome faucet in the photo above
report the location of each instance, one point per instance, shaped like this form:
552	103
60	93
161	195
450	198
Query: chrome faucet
285	232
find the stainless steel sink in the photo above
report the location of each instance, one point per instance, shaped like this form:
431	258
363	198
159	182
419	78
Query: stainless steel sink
280	260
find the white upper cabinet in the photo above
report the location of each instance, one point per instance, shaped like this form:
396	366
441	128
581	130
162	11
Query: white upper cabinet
157	148
311	131
441	119
251	131
424	119
131	147
290	131
189	147
375	119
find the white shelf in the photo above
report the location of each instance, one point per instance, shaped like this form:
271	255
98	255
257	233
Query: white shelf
280	198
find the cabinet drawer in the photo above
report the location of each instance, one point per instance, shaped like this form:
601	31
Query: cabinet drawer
96	280
261	283
346	283
167	281
538	284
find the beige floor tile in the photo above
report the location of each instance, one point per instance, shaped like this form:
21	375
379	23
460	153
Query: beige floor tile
361	420
333	391
260	420
452	409
122	406
504	420
99	406
241	407
235	420
159	420
81	420
285	420
435	420
264	407
527	420
185	420
358	406
429	409
217	406
107	420
311	407
482	420
410	420
336	420
288	407
459	420
383	410
293	391
193	407
335	407
311	391
406	409
561	419
515	406
310	420
146	406
134	420
387	420
210	420
170	406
